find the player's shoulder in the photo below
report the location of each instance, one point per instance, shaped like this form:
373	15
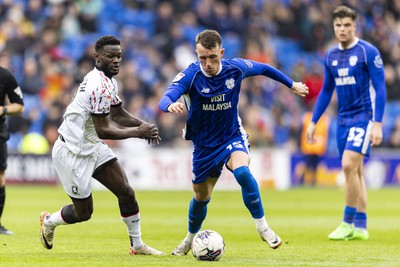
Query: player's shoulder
239	63
332	50
186	75
191	70
5	72
366	45
95	76
234	61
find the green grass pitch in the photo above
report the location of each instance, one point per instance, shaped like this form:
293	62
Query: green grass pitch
303	217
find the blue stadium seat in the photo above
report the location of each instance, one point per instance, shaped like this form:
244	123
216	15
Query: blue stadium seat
232	45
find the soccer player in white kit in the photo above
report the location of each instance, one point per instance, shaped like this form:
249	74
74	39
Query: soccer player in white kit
80	154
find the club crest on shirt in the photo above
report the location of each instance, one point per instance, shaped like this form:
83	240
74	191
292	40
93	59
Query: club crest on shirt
334	62
353	60
230	83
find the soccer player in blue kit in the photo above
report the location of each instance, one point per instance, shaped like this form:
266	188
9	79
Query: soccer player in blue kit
355	69
211	88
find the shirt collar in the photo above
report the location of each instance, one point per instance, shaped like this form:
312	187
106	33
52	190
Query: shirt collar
208	75
351	45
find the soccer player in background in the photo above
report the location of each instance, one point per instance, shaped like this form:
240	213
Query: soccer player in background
355	69
80	154
10	89
211	88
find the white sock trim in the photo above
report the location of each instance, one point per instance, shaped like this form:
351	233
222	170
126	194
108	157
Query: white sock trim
261	223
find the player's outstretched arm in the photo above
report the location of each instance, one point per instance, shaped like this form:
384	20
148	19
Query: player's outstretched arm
122	117
300	89
105	130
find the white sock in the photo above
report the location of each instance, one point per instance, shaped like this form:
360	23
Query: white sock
54	220
189	237
133	226
261	224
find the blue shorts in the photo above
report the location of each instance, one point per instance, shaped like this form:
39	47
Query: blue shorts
354	137
208	162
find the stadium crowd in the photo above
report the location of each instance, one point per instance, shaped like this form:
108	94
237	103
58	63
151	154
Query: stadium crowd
46	44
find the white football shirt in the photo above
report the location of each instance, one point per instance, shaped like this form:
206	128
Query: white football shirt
94	97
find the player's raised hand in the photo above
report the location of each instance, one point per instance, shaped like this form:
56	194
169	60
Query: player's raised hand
310	133
300	89
176	107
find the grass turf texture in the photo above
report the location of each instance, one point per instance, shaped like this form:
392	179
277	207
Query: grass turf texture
304	217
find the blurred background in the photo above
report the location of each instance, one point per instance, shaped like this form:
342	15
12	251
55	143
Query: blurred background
48	45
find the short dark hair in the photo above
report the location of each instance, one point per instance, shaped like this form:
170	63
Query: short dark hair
344	12
106	40
209	39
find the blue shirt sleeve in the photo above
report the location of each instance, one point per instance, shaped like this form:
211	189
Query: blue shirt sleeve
178	87
256	68
324	96
377	74
171	96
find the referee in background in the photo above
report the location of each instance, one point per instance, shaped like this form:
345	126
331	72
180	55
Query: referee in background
10	89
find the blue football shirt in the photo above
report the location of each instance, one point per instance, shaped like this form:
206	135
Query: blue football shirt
357	73
212	101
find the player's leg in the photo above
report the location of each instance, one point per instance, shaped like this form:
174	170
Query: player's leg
75	173
239	162
354	144
112	176
207	167
81	210
198	204
360	219
3	166
197	213
351	162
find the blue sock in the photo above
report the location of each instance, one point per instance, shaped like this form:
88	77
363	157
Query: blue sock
349	214
197	214
360	220
250	192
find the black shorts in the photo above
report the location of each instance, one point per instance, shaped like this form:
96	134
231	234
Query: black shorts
4	136
3	155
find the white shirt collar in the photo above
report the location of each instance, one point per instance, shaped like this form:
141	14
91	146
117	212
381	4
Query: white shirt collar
351	45
208	75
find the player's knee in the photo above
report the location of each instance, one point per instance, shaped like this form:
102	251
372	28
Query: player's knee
84	214
348	168
127	196
71	214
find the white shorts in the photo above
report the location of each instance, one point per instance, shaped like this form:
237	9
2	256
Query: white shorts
75	171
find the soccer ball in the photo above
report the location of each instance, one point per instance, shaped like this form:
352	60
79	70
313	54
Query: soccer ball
208	245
